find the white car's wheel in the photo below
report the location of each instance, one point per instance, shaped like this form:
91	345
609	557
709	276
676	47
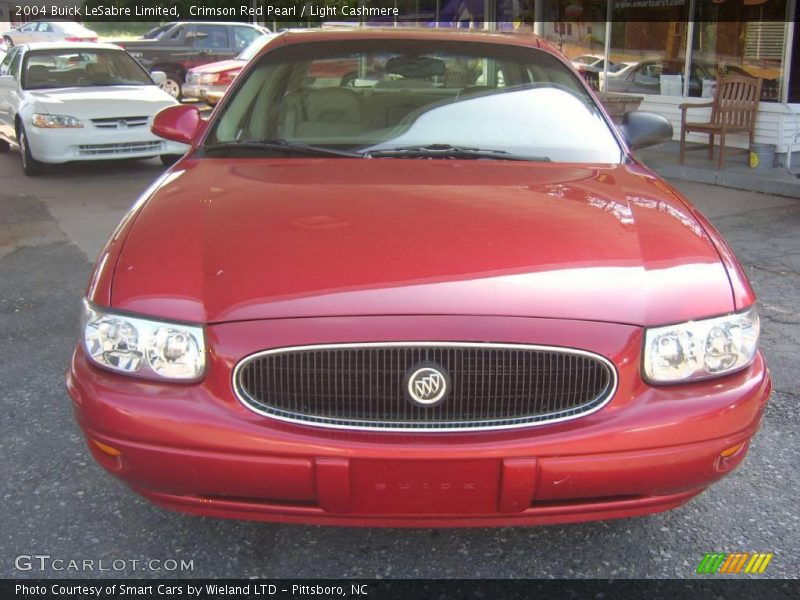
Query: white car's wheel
172	86
30	166
169	159
4	146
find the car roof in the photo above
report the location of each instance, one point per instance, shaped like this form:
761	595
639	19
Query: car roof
226	23
70	46
301	36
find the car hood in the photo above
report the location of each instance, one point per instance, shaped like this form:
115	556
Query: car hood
224	240
102	102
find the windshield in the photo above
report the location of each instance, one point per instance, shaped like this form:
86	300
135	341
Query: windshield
416	99
44	69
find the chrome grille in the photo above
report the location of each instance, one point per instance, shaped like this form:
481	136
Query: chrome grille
361	386
120	122
118	149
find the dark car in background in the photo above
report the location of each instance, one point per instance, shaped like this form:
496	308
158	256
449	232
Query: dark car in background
177	48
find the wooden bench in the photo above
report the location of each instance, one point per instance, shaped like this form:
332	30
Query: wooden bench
733	110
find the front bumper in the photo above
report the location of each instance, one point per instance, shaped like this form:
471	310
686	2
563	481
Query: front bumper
196	448
93	143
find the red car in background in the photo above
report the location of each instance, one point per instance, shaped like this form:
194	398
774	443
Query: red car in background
451	298
209	82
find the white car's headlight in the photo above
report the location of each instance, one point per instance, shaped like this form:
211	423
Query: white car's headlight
701	349
55	121
143	347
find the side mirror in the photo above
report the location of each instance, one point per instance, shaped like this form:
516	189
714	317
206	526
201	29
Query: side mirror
7	82
642	129
179	123
159	77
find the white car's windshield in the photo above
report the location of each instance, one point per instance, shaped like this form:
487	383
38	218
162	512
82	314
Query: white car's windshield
77	67
410	98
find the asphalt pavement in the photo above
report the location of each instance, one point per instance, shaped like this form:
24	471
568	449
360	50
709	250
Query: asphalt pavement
57	502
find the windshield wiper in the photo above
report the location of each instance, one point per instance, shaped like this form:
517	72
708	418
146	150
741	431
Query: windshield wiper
447	151
281	146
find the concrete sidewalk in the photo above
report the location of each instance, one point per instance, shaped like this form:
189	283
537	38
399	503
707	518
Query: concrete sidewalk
716	201
737	173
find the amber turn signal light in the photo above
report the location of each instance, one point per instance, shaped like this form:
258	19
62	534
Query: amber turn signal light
731	451
110	450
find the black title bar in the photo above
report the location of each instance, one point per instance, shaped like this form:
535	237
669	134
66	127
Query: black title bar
446	589
455	13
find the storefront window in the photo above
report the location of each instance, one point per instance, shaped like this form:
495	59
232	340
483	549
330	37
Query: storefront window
648	47
505	15
515	16
578	29
460	14
648	40
745	37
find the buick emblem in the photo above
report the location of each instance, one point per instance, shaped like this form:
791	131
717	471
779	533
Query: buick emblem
427	384
122	124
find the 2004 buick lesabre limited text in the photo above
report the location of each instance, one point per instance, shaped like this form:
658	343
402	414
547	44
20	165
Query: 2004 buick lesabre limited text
433	288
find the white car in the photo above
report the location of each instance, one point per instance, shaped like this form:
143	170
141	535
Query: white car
590	62
48	31
620	70
63	102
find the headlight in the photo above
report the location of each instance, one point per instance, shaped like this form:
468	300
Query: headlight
701	349
55	121
142	347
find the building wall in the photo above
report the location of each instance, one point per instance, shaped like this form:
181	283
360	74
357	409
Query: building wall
776	124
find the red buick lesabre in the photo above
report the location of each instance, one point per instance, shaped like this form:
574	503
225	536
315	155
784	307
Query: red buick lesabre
443	292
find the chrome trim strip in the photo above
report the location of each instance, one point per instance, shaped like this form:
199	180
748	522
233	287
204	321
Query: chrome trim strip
437	428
